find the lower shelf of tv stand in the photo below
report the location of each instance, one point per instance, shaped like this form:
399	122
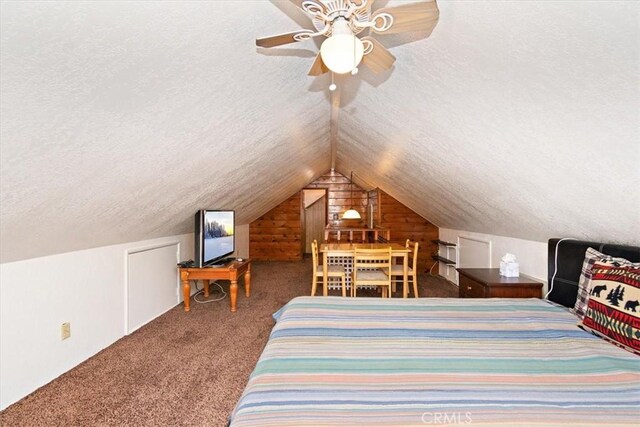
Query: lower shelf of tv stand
233	271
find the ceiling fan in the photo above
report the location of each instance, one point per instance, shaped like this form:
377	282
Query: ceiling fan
341	21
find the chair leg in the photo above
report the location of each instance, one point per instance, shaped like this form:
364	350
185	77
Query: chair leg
415	286
314	286
344	286
353	286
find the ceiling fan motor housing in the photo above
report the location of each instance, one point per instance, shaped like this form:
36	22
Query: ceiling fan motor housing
335	10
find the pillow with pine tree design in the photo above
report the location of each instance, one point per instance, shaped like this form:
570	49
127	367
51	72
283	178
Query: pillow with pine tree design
613	312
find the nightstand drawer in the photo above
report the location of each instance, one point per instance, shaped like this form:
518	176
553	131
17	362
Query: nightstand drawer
487	283
470	288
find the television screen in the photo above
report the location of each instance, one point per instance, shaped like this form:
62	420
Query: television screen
214	235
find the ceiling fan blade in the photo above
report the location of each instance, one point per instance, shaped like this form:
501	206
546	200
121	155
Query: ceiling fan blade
379	59
318	68
280	39
410	17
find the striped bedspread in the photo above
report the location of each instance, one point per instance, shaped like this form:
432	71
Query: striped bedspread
414	362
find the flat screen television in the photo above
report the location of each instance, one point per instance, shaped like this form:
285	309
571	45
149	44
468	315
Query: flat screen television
214	236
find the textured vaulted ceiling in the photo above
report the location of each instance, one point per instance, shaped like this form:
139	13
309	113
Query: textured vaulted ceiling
516	118
120	119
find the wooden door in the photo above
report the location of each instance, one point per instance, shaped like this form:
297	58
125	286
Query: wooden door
315	216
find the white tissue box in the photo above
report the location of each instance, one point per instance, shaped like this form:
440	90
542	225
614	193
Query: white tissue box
509	269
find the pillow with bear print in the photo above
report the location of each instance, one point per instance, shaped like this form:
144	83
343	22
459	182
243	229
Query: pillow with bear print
592	256
613	311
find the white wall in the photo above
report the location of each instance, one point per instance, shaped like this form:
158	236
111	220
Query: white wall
531	255
86	288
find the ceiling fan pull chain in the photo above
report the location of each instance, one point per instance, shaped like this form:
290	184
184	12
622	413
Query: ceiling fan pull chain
332	86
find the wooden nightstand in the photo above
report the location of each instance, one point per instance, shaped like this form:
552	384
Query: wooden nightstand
487	283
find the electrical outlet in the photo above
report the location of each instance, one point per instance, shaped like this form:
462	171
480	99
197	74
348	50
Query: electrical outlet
65	331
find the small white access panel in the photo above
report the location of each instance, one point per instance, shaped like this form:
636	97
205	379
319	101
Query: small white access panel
152	284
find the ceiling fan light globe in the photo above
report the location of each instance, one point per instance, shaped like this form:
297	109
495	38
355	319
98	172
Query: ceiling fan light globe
341	53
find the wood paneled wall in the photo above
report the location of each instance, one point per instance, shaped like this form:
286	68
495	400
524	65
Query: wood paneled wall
339	194
406	224
277	235
375	206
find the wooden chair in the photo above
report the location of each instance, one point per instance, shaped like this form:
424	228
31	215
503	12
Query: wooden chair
332	271
412	273
372	267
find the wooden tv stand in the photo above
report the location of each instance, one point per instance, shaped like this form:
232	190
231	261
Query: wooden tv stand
231	271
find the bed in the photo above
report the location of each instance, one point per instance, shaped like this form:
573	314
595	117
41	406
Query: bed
407	362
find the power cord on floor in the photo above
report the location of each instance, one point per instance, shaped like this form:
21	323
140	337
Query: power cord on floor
201	291
431	269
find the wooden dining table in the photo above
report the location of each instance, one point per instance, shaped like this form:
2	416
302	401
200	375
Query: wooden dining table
342	253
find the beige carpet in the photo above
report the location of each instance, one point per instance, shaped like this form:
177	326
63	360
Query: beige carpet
182	368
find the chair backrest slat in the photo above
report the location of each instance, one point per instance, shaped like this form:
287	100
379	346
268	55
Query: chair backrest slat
314	255
372	258
413	255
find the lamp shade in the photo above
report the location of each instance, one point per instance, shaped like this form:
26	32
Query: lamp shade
342	52
351	214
